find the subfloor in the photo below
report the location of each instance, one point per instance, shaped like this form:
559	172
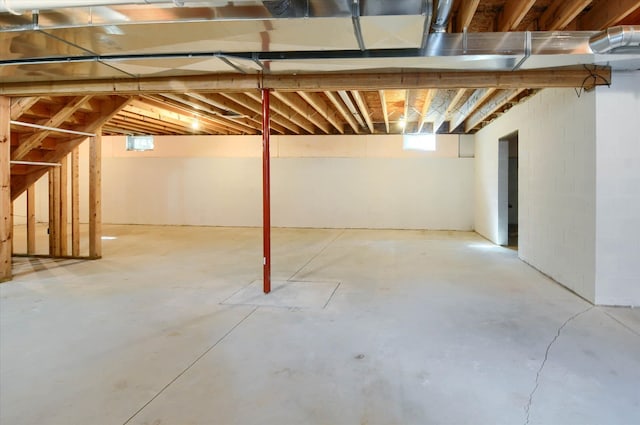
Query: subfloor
363	327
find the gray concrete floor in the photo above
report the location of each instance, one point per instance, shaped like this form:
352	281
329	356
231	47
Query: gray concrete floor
404	327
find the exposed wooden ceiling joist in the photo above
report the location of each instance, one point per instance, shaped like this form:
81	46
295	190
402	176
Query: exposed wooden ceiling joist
606	13
323	109
560	13
513	13
364	110
465	14
340	107
385	112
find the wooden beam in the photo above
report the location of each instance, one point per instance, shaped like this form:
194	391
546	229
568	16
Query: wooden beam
476	99
31	219
75	202
428	99
323	109
64	201
95	195
499	100
20	105
513	13
385	111
540	78
607	13
6	223
465	14
342	109
35	139
302	108
364	110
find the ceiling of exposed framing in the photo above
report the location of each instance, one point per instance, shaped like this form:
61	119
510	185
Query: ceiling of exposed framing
61	72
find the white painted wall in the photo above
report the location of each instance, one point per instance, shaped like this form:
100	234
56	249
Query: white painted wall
317	181
556	131
618	191
324	181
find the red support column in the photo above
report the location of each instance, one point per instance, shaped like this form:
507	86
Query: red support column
266	191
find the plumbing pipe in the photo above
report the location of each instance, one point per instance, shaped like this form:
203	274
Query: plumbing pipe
44	127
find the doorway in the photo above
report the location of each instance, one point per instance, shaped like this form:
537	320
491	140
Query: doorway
508	190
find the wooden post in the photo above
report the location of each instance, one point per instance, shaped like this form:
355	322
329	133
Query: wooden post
54	212
63	199
75	202
6	220
31	219
95	202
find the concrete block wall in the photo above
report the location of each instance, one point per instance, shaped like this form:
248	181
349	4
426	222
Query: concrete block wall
579	189
556	136
618	191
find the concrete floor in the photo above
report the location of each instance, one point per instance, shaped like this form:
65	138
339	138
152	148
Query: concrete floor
402	327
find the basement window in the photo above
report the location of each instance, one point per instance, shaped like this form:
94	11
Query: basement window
139	143
419	142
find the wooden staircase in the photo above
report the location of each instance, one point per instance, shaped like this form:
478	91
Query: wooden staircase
34	133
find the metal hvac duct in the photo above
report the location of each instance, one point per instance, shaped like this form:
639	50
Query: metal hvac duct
615	38
442	16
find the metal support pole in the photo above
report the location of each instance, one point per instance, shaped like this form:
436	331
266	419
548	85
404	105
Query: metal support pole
266	192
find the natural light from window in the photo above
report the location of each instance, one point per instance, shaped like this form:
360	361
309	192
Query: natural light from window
419	142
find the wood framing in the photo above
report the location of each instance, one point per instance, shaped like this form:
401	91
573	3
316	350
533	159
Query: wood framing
312	82
364	110
61	116
242	100
335	100
64	200
560	13
19	105
323	109
75	202
428	99
54	211
513	13
607	13
31	219
385	112
465	14
495	103
477	98
295	102
6	224
452	104
95	195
